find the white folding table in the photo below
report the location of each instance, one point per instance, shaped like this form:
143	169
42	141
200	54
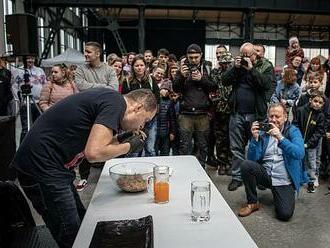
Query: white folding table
172	222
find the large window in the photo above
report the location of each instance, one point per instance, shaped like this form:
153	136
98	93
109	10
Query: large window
70	41
41	31
52	51
77	44
62	39
270	52
314	52
77	12
104	55
8	9
210	53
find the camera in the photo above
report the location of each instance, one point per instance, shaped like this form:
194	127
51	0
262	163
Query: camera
244	62
26	87
191	67
264	126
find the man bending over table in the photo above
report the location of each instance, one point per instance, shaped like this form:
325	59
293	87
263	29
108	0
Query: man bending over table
80	126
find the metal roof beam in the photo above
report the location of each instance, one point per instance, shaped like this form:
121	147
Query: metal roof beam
292	6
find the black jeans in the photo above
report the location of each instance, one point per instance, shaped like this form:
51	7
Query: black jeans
162	145
59	205
84	169
284	196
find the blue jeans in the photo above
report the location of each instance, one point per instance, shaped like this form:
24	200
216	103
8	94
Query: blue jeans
239	134
310	163
318	155
59	206
149	147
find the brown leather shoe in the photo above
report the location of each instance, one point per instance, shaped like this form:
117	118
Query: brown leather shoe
248	209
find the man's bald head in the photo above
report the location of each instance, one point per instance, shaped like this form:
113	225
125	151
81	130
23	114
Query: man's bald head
247	50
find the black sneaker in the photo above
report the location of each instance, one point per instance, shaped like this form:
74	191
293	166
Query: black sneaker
310	188
234	185
212	161
261	187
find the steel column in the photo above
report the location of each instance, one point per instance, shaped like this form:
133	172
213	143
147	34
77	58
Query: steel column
141	29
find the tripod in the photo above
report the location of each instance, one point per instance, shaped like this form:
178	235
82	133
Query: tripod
26	95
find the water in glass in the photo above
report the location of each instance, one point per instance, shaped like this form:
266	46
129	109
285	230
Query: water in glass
200	200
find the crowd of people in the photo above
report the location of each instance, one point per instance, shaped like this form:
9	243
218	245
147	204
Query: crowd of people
264	128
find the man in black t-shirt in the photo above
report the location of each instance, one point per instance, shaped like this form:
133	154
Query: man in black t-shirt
80	126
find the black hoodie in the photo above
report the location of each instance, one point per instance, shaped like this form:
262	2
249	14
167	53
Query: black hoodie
311	124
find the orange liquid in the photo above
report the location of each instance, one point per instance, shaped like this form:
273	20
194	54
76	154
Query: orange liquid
161	192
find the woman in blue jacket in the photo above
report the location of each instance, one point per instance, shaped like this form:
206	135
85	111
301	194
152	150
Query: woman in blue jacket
275	157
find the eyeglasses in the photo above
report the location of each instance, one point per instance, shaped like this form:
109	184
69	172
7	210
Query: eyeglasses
247	55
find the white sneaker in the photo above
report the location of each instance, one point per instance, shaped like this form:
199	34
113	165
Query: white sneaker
316	182
81	185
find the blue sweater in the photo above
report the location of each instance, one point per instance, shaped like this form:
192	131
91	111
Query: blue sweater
293	153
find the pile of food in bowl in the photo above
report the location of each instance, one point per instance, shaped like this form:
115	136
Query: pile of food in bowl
131	176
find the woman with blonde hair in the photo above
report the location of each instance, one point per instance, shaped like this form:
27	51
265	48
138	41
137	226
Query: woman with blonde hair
59	86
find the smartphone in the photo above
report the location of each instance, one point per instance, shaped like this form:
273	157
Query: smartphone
264	126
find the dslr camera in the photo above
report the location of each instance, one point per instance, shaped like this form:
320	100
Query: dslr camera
191	67
265	126
244	62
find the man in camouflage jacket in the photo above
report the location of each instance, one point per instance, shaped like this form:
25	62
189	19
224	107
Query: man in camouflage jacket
222	114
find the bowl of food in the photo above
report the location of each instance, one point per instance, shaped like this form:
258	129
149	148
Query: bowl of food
131	176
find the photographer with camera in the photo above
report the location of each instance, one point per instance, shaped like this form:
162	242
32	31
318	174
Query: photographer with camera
275	155
82	125
222	113
28	81
251	78
194	83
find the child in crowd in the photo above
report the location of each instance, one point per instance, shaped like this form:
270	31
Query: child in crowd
310	119
314	84
166	120
293	50
314	70
287	90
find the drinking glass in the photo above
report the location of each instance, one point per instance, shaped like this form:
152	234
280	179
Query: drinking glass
200	200
160	184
